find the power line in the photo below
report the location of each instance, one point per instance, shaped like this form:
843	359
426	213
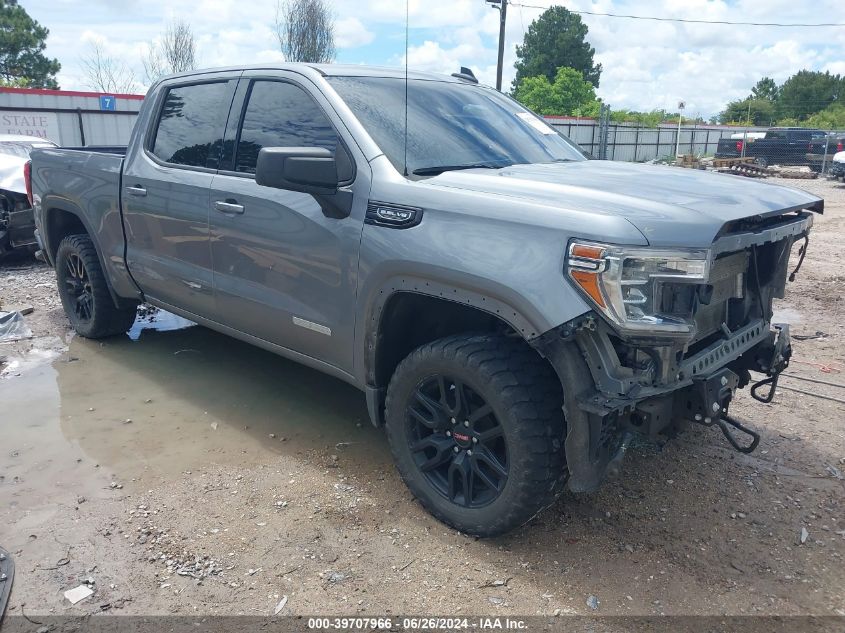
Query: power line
659	19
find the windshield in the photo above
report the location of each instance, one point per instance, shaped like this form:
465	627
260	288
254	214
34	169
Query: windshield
450	125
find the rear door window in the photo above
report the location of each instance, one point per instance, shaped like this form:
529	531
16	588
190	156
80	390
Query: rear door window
280	114
191	124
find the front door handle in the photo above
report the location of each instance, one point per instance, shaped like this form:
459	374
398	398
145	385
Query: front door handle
137	190
229	206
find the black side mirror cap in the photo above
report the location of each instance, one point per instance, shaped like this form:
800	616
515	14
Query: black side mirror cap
307	169
312	170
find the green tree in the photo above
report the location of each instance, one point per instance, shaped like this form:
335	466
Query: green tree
765	89
557	38
808	92
22	42
749	112
569	94
831	118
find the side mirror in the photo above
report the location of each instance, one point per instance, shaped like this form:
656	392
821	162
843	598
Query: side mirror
307	169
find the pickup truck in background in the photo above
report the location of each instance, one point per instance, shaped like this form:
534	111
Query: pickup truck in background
820	151
780	146
513	312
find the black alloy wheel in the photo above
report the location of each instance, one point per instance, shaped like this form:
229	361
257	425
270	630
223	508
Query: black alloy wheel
476	427
78	287
457	442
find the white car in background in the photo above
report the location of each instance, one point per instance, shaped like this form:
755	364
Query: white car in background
16	221
837	167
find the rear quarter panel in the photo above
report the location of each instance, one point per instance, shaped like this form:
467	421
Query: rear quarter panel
87	185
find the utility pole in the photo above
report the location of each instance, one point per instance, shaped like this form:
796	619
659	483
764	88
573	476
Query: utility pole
502	6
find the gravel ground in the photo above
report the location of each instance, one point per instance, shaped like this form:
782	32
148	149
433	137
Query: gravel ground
186	473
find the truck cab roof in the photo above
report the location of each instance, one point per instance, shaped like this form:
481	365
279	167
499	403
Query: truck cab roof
328	70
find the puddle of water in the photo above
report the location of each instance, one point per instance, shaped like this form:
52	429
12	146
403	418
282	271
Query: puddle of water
18	364
150	318
171	398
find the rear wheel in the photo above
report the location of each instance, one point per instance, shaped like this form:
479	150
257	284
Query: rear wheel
476	428
84	292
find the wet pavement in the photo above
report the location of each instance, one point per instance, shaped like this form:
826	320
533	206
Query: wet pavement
167	398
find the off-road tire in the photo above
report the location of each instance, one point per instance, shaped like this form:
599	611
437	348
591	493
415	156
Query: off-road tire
106	319
526	398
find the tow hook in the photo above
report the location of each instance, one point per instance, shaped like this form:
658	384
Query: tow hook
724	420
781	351
716	393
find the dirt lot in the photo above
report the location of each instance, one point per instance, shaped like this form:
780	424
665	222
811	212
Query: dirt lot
186	473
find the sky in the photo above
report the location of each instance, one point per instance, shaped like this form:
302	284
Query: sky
646	64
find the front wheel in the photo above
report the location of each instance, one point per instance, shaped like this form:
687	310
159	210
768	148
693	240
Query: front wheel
476	428
84	291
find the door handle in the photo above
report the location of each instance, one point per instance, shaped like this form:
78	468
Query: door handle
137	190
229	206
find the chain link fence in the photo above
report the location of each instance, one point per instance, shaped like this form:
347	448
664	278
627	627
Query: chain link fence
785	147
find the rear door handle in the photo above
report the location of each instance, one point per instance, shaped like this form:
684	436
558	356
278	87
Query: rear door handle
137	190
229	206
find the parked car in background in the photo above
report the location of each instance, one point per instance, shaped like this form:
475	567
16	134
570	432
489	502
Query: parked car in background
17	225
837	166
820	151
513	312
780	146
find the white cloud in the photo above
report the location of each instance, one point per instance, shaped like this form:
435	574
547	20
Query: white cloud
350	32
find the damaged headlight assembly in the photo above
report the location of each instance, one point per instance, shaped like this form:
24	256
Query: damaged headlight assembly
642	291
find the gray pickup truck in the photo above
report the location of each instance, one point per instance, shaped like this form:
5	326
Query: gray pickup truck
513	312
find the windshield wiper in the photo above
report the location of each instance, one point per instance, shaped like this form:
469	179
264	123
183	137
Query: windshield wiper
439	169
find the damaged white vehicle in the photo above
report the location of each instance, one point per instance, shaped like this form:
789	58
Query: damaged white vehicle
17	225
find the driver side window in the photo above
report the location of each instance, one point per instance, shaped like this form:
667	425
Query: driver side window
280	114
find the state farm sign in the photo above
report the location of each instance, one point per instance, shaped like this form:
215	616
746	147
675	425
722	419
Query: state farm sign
43	124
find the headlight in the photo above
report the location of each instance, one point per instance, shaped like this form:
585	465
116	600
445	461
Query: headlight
641	290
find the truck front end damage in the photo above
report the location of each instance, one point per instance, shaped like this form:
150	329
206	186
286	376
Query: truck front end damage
672	336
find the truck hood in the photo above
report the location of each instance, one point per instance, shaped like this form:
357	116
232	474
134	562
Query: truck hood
670	206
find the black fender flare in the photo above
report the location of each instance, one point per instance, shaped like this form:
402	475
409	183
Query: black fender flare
393	286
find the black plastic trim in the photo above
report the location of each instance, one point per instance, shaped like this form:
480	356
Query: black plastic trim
378	214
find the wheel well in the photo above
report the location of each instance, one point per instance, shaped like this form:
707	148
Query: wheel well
60	224
410	320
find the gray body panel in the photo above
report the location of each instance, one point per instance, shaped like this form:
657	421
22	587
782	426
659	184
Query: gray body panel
284	275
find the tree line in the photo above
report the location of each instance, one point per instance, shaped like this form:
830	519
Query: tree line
808	98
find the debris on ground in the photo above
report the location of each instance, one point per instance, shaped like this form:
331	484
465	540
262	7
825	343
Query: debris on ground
809	337
593	602
804	536
834	472
802	172
281	605
13	327
79	593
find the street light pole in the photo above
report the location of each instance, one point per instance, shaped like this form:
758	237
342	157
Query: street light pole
502	6
681	106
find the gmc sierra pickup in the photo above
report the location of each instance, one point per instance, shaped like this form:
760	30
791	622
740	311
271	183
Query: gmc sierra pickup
513	312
